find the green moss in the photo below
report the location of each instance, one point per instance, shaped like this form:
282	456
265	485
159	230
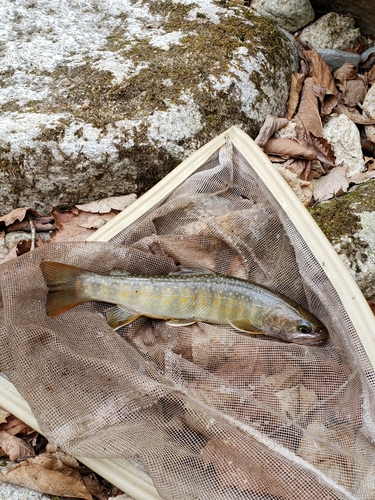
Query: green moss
52	134
138	96
10	167
4	76
338	216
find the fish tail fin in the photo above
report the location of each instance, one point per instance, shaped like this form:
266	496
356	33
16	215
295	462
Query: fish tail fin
63	293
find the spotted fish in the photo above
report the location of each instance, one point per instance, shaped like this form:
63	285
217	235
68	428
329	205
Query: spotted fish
183	298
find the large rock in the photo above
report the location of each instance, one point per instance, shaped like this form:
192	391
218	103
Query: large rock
289	14
332	31
101	98
349	223
362	10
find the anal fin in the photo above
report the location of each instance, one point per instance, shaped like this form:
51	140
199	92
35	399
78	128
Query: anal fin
118	316
180	322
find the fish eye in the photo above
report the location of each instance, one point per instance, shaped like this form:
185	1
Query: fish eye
304	328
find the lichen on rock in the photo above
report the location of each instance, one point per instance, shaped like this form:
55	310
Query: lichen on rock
348	222
102	98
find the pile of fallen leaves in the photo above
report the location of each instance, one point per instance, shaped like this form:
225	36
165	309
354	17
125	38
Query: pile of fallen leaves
296	144
77	223
36	464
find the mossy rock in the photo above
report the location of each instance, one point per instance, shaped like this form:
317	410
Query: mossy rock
108	97
349	223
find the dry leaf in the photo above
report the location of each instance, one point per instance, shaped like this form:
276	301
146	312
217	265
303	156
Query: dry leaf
333	184
207	351
288	147
40	224
105	205
296	400
364	459
271	125
368	149
320	71
14	426
329	450
96	221
15	447
185	250
241	469
47	474
17	215
4	414
354	115
94	487
354	92
25	245
296	184
237	268
329	104
309	121
323	149
362	177
68	225
285	379
346	72
322	75
296	166
232	471
369	63
295	92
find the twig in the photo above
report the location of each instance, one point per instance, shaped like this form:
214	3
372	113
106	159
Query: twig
33	232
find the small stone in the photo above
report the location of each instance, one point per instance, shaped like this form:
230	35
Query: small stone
291	15
14	492
336	58
367	53
369	112
344	137
332	31
362	10
12	239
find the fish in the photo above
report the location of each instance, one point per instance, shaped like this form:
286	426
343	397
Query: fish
182	298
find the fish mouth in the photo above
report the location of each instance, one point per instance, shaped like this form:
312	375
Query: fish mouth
317	342
320	341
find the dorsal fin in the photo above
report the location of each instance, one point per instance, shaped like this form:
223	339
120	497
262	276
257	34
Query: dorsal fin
188	270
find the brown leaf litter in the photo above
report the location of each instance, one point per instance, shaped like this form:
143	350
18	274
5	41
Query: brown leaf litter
315	95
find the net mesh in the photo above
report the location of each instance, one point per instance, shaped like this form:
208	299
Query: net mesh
208	412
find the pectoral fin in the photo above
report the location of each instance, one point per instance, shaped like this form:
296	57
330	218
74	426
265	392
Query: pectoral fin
245	326
118	316
180	322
